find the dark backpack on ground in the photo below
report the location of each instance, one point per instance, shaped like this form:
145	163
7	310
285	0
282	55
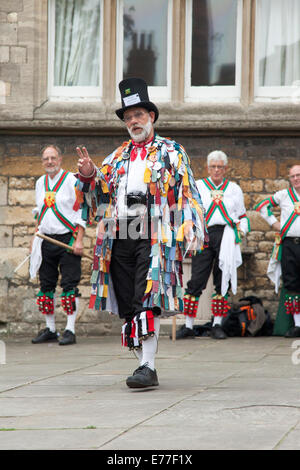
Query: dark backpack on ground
247	318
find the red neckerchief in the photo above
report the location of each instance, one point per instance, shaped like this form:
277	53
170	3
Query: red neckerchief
136	146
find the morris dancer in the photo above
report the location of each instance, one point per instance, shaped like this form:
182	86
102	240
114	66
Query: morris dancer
58	216
227	222
153	212
285	259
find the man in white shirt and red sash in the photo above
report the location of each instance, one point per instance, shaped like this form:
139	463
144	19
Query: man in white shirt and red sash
227	222
153	212
59	217
285	259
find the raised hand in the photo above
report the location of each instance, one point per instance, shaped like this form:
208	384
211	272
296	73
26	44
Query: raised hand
85	164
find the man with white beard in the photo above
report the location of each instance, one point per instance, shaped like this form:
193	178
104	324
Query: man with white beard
150	214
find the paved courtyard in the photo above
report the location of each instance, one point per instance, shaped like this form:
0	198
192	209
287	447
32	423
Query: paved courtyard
239	393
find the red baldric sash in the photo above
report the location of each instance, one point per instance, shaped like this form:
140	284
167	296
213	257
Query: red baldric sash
270	202
50	202
217	203
293	215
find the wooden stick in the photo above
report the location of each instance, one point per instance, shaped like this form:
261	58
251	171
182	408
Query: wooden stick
174	328
58	243
21	264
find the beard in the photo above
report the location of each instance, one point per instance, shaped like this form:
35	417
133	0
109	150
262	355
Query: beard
52	171
143	134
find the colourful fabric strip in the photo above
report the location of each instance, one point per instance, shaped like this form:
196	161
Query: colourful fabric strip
169	186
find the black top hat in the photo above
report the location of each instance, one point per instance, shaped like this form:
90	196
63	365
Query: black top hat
134	93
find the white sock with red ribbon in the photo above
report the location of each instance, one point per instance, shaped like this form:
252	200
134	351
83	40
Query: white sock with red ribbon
149	346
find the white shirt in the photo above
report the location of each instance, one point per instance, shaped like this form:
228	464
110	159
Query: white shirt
65	199
286	205
233	200
134	181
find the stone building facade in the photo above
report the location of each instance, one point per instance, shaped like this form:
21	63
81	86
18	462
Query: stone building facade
260	137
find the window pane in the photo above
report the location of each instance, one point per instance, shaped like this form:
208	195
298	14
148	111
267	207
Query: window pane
278	42
77	42
145	40
213	42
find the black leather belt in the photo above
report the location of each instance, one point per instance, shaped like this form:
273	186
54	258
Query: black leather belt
216	227
295	240
137	198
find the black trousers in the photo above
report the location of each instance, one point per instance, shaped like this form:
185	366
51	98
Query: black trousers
129	266
206	262
290	264
56	260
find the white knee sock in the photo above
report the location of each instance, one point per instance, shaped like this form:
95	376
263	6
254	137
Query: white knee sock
217	320
189	321
50	322
296	319
72	318
149	346
50	319
139	355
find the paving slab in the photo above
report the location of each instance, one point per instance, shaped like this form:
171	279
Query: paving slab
234	394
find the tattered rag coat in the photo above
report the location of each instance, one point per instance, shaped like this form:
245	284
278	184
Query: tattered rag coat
173	201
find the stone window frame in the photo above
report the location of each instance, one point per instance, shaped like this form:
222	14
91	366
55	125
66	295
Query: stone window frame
110	13
177	114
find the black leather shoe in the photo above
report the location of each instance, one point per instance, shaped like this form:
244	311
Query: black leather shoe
217	332
67	338
143	377
44	336
184	333
293	332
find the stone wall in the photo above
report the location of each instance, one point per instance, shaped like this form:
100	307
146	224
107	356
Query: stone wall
19	168
261	139
258	164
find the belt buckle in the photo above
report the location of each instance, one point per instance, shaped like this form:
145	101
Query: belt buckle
297	240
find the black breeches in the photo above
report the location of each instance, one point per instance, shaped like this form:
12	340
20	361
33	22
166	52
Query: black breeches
206	262
129	266
57	260
290	264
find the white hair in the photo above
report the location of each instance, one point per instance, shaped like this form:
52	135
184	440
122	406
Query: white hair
217	155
